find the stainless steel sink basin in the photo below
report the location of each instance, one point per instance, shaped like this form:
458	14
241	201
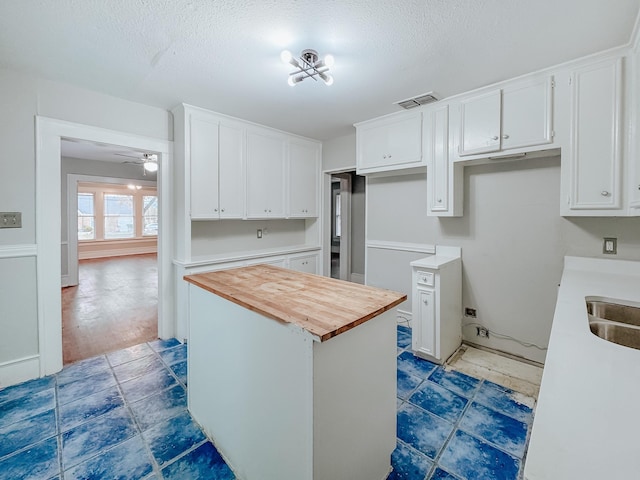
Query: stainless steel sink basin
616	321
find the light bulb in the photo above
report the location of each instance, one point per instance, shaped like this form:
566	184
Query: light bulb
329	80
285	56
151	166
329	60
292	82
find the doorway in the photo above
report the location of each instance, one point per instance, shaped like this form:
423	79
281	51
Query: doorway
347	219
49	134
110	289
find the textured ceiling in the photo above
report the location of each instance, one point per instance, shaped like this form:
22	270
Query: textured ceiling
224	54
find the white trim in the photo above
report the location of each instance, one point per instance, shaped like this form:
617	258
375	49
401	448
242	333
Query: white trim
118	252
401	246
48	133
17	251
404	314
19	370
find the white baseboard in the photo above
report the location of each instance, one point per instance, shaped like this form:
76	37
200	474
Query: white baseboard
64	281
117	252
18	371
357	278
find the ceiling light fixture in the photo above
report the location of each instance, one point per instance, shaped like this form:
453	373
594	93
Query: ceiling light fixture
308	66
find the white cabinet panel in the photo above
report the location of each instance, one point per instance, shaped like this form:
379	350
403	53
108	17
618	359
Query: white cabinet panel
231	170
390	143
444	179
527	113
595	147
480	123
265	174
304	171
203	141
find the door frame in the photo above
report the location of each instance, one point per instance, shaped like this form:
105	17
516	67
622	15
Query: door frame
48	133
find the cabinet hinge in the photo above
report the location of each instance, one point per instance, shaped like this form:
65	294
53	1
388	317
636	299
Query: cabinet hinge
553	84
553	133
570	80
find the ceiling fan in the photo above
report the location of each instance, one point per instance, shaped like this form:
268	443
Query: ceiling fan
148	161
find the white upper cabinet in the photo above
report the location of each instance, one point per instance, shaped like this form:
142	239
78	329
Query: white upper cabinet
595	149
527	112
266	152
304	175
203	142
216	168
444	179
390	143
517	116
480	123
231	169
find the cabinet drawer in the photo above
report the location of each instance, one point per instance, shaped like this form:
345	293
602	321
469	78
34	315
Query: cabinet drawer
425	278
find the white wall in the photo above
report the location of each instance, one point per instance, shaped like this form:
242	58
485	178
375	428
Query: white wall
22	97
512	236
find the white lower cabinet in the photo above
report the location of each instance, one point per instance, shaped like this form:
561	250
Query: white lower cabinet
304	263
437	305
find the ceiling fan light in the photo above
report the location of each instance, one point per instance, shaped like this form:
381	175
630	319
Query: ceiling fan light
328	79
150	166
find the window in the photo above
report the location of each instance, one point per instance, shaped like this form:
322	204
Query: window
118	216
116	212
150	215
86	217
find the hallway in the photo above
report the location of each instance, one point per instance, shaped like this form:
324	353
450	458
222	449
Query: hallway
115	306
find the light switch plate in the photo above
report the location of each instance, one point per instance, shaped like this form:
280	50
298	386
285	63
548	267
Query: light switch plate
10	220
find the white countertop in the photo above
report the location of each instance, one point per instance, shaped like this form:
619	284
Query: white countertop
444	255
587	420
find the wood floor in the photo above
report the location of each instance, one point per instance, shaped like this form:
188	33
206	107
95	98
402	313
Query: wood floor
115	306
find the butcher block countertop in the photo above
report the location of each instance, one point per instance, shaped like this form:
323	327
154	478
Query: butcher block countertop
323	306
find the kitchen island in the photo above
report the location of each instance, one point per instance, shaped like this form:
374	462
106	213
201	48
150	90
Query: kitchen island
292	375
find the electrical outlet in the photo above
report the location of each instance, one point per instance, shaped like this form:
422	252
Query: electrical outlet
610	246
10	220
482	332
470	312
259	233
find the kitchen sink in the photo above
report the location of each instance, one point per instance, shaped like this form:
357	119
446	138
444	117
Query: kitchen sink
616	321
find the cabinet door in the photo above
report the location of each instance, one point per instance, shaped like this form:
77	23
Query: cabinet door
595	150
303	179
480	124
390	144
265	175
231	168
437	151
305	263
424	327
203	143
526	114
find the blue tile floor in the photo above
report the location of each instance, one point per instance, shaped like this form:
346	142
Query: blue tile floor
124	416
117	416
453	426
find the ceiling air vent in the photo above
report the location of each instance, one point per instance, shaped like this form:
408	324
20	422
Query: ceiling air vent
421	99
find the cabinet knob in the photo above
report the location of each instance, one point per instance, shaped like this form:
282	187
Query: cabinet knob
426	302
265	210
439	200
495	137
269	211
215	209
389	155
384	156
604	193
505	136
